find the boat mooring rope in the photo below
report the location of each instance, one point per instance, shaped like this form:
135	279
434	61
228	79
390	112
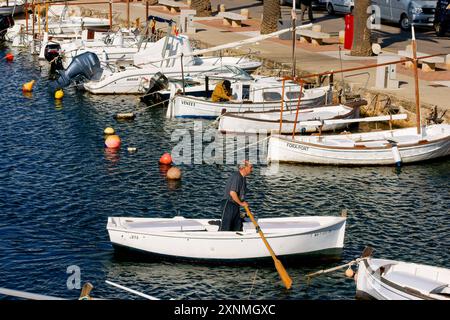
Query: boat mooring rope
253	284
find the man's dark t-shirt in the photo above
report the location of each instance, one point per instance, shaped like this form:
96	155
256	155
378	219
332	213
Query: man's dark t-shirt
236	183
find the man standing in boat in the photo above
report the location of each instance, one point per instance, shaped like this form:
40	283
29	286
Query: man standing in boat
222	92
234	198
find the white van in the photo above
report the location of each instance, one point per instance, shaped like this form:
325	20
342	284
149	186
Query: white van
343	6
407	12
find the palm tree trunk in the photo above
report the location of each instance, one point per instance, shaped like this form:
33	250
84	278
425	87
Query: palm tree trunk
203	7
362	45
271	14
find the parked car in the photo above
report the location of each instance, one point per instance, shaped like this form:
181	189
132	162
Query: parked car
442	17
407	12
342	6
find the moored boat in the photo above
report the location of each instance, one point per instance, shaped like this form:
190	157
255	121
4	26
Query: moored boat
252	95
386	147
396	280
199	239
307	119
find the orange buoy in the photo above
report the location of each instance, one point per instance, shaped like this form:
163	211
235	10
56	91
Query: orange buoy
9	57
166	158
113	142
28	87
349	272
174	173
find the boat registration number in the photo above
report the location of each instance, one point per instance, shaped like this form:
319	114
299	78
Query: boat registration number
297	146
319	234
134	237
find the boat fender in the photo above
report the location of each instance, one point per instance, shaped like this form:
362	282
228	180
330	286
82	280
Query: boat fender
349	273
396	153
125	116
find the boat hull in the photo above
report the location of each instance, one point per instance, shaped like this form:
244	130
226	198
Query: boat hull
191	107
370	285
227	246
342	150
268	121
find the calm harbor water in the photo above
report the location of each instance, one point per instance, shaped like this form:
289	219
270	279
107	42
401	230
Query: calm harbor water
58	185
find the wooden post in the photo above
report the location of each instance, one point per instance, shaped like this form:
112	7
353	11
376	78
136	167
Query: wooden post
298	109
282	104
416	80
294	37
26	17
34	13
46	16
110	14
128	14
39	18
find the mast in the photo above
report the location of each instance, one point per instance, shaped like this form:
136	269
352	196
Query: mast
294	22
416	79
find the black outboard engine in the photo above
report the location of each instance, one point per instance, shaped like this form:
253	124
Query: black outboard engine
6	22
83	66
157	83
52	55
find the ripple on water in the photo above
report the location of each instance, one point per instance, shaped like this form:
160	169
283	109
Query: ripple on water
59	185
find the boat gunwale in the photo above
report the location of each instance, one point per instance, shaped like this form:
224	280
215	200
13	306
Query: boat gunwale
237	235
362	148
351	112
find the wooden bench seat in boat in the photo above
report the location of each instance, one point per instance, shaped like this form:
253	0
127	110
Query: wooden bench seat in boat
281	227
166	226
408	280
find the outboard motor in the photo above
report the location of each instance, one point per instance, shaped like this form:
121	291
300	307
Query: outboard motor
6	22
83	66
157	83
52	55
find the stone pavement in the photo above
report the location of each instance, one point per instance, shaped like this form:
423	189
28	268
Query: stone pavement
434	86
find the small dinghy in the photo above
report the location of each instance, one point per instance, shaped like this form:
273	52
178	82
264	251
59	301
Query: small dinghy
396	280
251	122
199	239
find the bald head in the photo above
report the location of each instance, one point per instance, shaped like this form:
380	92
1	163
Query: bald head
245	168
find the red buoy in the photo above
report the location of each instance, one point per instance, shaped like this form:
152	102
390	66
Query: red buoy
9	57
113	142
166	158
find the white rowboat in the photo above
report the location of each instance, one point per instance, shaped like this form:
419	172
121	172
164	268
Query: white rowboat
309	120
395	280
373	148
197	239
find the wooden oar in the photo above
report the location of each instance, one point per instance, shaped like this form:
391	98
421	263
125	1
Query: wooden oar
278	265
85	291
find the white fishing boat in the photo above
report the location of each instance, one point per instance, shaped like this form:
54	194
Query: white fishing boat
173	56
385	147
12	7
135	78
306	121
199	239
258	95
396	280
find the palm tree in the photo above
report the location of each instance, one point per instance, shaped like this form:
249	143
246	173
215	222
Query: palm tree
271	14
203	7
362	45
